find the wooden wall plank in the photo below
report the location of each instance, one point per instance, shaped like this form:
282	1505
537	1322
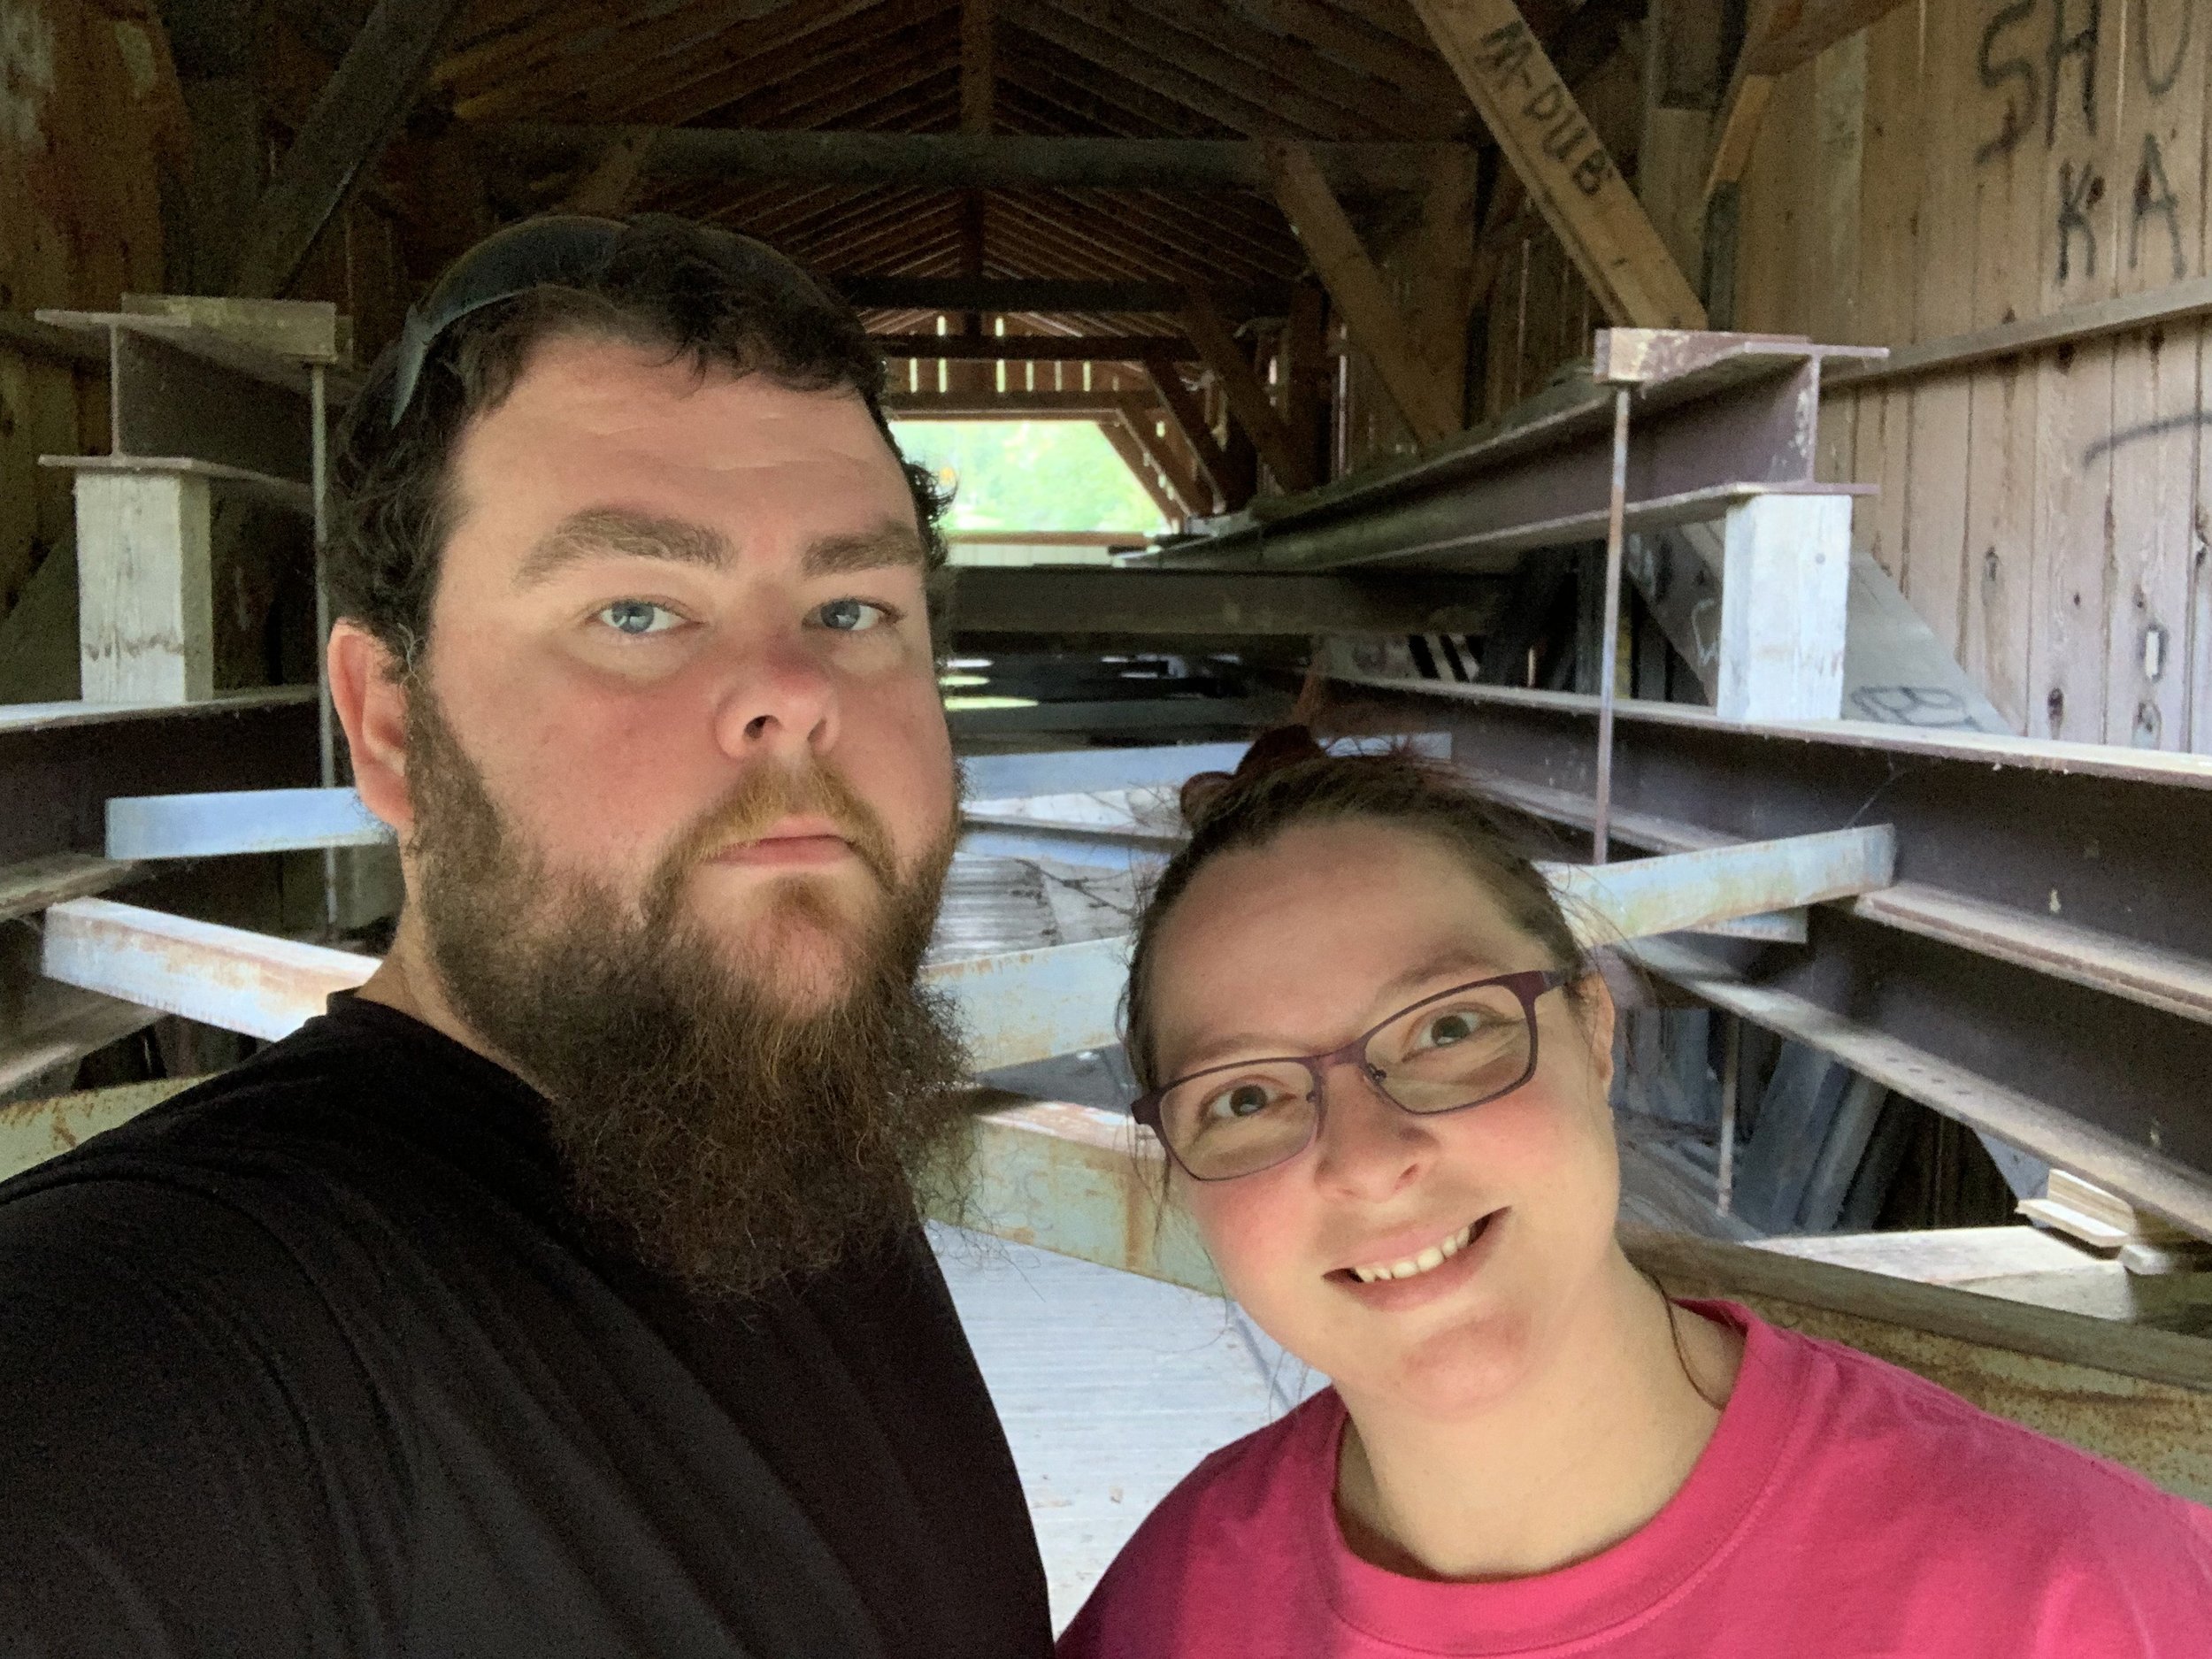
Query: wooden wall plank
2157	182
1889	234
2011	230
1940	438
2071	568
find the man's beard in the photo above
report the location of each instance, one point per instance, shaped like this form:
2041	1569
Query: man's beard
732	1141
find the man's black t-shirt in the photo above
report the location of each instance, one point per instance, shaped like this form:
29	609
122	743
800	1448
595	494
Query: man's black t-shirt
318	1359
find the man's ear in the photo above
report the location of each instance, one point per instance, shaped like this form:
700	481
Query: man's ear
369	695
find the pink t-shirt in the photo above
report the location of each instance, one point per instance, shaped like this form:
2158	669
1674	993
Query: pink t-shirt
1843	1507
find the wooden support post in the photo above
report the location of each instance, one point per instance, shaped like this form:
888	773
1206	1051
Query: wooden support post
1377	325
1143	420
1127	441
357	111
1306	371
1786	583
1557	154
1248	403
978	94
1684	72
1189	417
145	616
1443	294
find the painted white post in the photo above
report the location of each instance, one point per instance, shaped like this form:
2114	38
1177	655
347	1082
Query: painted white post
145	622
1784	593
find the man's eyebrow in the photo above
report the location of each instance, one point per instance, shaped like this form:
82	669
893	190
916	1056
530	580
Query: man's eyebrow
601	532
889	543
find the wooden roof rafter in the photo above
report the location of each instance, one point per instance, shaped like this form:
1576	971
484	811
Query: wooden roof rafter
1105	50
914	84
1114	246
564	35
1277	64
1177	37
1097	101
1200	238
683	88
823	240
911	51
1352	39
862	248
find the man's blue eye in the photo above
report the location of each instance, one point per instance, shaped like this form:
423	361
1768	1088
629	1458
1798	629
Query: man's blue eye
851	615
637	617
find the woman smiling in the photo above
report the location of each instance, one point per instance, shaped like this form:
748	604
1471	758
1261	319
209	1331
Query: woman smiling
1380	1065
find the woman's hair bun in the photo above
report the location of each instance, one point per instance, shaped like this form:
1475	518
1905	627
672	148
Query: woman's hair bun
1273	750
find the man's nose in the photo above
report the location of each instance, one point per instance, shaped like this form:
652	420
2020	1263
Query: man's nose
780	698
1370	1147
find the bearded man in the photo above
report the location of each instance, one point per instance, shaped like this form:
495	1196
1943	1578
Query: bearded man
562	1292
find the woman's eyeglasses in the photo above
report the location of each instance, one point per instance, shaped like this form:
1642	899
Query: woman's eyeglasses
1446	1053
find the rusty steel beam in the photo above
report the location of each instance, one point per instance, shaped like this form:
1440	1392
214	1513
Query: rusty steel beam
1067	600
1720	420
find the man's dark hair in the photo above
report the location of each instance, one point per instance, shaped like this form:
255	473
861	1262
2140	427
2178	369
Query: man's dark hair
667	285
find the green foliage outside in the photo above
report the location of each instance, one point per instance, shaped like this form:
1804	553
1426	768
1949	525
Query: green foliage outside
1030	475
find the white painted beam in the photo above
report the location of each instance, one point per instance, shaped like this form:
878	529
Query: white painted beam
1683	891
145	608
1785	597
1017	1006
239	821
224	976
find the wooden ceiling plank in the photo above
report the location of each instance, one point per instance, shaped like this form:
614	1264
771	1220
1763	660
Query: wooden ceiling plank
1358	43
946	160
846	27
827	98
892	58
1175	44
912	208
850	248
1097	97
1550	144
603	33
1249	225
1079	255
748	54
1277	65
777	206
484	47
1190	241
1391	17
1110	52
1127	244
833	208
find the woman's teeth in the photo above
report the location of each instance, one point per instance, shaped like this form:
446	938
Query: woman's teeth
1413	1266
